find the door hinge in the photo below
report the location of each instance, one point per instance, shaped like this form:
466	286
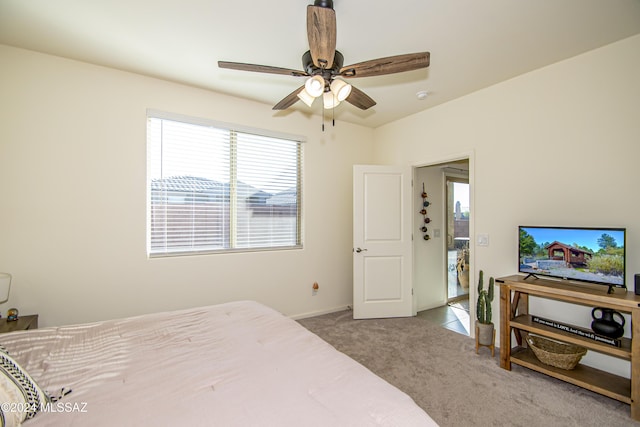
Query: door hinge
411	291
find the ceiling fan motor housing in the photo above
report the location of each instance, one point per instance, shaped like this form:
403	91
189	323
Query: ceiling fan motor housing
324	3
327	73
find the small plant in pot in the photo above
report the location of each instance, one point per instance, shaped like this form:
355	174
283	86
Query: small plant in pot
484	326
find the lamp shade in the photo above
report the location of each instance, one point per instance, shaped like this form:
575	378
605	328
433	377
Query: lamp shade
306	98
330	100
5	287
314	86
340	89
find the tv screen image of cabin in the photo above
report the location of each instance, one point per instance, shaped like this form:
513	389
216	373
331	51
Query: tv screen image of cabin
595	255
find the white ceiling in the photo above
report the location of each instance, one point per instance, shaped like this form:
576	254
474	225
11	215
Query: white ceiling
473	43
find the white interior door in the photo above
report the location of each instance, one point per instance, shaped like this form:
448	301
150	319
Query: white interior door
382	257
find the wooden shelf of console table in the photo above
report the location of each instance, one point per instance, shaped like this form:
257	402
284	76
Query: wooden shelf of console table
515	321
22	324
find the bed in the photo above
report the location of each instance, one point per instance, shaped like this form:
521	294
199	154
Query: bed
234	364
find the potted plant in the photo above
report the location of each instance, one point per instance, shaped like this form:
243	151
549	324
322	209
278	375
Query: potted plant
485	334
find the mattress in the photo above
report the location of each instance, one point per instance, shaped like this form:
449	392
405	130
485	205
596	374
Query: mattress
234	364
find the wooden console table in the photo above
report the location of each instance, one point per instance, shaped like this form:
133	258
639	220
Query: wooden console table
515	320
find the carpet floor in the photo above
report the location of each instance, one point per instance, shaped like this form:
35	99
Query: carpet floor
440	370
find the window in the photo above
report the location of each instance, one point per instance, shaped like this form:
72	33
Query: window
212	188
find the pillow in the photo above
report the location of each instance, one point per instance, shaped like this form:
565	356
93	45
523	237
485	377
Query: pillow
20	396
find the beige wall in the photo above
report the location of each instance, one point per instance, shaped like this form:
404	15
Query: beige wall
73	199
557	146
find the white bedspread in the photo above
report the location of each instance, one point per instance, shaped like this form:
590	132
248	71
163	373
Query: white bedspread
235	364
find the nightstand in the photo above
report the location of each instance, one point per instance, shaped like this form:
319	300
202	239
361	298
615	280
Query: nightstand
22	324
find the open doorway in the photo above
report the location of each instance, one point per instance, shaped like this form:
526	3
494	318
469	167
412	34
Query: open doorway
458	216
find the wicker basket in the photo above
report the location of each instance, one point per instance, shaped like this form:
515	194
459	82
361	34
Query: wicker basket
555	353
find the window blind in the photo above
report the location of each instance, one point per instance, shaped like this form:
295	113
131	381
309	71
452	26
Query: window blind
214	189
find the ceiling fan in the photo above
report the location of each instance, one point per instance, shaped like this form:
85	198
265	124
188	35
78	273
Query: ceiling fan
323	65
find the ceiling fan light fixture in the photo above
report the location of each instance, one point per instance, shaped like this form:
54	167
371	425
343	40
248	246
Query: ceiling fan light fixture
314	86
340	89
330	100
306	98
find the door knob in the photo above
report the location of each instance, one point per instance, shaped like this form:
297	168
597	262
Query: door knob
358	250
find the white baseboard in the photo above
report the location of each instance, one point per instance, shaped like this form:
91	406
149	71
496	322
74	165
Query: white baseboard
320	312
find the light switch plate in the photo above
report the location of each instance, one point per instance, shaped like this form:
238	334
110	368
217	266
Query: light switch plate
483	240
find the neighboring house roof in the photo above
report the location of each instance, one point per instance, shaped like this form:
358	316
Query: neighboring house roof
194	184
186	184
286	197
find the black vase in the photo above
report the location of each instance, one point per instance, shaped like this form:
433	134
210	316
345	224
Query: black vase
606	324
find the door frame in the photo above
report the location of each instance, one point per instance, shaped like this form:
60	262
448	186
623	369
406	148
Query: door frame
470	157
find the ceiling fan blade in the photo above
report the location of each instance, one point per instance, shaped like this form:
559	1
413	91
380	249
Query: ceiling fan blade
388	65
321	32
260	68
288	100
360	99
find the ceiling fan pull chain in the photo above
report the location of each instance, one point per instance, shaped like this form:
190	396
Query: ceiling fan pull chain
333	115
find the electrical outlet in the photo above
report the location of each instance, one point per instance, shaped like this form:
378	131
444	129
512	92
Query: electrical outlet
482	240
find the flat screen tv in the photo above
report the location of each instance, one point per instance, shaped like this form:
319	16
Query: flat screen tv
593	255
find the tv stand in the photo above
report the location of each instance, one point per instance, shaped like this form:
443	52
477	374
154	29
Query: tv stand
530	275
516	322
